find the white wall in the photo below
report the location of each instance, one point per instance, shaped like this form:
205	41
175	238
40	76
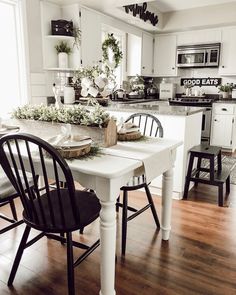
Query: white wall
34	35
204	17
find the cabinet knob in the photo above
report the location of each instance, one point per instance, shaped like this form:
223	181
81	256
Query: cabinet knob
223	66
224	109
216	120
143	68
173	68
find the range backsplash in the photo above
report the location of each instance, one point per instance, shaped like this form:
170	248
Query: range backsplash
196	73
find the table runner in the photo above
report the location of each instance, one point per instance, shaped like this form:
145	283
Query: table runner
153	153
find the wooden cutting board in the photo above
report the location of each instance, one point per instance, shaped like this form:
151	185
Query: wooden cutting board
129	136
74	152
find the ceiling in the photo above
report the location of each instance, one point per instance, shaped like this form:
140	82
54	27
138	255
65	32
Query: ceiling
175	5
162	5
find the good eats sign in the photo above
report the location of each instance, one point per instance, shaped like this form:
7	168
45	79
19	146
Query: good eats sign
200	82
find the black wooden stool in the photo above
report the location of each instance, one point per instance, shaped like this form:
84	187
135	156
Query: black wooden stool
216	177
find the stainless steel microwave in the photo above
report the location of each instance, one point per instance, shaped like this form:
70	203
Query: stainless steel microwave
198	56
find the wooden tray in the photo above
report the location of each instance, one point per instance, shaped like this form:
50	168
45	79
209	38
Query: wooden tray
129	136
74	152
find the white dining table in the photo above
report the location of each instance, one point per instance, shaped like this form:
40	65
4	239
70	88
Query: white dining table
107	173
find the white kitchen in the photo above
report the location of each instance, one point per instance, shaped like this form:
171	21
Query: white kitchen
117	147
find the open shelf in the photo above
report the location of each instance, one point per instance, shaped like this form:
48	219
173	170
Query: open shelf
60	69
59	37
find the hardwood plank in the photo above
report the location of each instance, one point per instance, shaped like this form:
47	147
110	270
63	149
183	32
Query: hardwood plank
199	259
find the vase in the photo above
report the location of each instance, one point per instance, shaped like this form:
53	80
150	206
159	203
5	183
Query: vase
225	95
69	95
63	60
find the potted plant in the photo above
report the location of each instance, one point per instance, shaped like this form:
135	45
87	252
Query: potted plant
95	81
63	50
225	89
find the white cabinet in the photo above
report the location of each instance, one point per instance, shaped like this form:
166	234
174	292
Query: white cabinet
223	126
199	36
91	39
134	49
228	50
147	55
140	55
165	56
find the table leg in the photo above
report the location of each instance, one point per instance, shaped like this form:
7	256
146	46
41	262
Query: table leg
108	247
167	190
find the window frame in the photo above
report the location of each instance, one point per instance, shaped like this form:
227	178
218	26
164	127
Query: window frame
20	20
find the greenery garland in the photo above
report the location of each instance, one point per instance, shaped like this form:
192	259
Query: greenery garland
78	114
111	42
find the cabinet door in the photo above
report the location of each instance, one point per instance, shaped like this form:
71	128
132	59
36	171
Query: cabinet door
91	37
147	55
222	130
228	50
165	56
134	48
200	36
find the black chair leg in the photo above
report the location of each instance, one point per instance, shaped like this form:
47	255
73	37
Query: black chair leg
188	176
63	236
150	200
124	221
220	195
13	209
199	162
117	206
19	255
228	185
70	264
81	231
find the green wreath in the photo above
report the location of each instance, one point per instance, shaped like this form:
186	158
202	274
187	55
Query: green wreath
111	42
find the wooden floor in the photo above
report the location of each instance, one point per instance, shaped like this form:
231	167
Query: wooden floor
200	257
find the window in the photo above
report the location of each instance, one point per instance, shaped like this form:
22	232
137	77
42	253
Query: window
12	57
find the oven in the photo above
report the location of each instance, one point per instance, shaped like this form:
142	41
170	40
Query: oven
206	116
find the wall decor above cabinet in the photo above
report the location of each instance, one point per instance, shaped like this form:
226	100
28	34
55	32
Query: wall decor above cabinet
142	12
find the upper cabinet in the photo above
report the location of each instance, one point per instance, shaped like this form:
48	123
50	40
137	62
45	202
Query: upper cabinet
134	53
91	39
165	56
200	36
147	55
140	55
228	50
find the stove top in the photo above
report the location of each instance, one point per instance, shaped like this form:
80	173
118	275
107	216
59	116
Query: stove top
191	101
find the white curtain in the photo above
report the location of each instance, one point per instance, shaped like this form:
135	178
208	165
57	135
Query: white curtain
13	85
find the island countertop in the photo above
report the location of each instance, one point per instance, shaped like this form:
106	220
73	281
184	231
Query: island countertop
155	107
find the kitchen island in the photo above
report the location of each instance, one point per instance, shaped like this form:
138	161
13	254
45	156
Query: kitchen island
179	122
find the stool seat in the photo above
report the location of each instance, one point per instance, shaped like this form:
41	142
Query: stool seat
206	150
216	177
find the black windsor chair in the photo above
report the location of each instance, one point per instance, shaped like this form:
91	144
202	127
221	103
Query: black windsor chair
7	196
52	210
149	126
